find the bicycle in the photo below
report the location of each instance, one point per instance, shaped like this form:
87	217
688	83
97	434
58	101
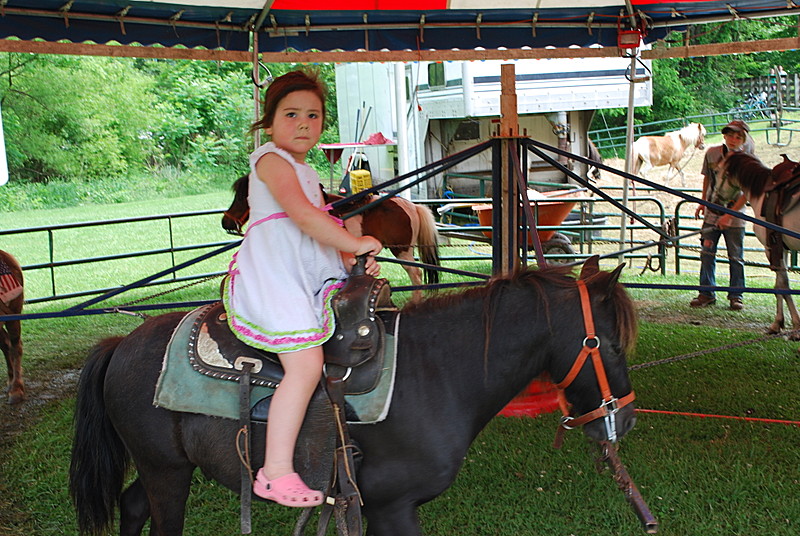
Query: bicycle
755	106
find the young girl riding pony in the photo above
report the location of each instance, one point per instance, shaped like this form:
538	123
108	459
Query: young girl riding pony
289	266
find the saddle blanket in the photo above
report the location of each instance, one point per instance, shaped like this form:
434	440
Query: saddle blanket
181	388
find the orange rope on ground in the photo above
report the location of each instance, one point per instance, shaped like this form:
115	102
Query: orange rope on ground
685	414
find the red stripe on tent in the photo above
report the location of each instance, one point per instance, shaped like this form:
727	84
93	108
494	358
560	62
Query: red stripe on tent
360	5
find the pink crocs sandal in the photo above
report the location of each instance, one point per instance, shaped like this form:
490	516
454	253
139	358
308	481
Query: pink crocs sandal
288	490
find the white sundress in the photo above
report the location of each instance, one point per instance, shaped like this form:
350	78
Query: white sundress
281	279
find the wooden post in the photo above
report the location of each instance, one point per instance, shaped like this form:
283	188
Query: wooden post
509	122
508	203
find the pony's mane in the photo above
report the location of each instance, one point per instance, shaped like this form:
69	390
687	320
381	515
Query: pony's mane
690	133
748	172
553	275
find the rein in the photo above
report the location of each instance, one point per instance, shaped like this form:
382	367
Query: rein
610	405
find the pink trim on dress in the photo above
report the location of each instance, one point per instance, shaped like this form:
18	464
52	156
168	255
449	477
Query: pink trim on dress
276	341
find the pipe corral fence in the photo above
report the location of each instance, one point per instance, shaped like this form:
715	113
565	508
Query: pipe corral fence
592	228
187	242
170	239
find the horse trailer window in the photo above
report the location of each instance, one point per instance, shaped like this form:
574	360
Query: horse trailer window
436	75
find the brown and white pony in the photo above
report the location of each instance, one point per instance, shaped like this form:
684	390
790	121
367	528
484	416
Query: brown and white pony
398	223
755	179
10	335
652	151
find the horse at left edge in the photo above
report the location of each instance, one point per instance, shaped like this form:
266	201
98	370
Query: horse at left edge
399	224
757	181
11	331
449	384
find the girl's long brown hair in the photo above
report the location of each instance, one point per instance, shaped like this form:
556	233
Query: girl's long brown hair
282	86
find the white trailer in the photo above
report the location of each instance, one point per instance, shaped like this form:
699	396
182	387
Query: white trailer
449	106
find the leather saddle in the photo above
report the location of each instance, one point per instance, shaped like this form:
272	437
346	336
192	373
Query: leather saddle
363	310
780	196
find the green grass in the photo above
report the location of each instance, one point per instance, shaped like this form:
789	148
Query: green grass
709	476
164	184
699	476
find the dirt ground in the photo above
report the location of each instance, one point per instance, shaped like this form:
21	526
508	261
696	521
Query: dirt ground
692	162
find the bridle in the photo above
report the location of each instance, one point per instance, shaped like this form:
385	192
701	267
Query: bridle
610	405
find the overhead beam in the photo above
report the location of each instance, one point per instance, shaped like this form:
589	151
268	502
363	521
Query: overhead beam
87	49
121	51
436	55
719	49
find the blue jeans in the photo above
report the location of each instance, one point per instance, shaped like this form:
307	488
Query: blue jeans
734	242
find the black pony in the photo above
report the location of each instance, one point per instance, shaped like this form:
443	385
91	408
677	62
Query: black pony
461	358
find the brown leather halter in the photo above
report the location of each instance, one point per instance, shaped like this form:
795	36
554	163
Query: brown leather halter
610	405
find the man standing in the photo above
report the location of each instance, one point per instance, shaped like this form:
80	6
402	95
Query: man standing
720	191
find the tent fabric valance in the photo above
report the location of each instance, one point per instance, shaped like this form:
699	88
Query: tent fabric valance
361	24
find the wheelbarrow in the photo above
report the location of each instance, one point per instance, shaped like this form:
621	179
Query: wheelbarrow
549	210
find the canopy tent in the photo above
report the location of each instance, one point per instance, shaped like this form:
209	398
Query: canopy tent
357	30
411	29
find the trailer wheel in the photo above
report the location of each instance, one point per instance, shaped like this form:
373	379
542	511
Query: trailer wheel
558	245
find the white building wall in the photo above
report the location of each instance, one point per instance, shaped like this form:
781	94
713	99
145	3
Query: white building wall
365	101
437	115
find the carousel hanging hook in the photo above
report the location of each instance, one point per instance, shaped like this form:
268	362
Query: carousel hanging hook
261	84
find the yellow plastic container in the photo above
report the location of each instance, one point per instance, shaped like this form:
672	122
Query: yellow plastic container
360	179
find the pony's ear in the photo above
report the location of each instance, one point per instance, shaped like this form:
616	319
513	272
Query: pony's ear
611	282
614	276
590	267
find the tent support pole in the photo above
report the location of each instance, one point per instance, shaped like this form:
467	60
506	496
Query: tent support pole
628	151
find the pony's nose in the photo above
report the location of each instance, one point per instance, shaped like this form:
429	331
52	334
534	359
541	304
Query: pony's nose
628	424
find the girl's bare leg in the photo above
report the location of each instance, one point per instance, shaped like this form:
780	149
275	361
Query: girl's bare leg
287	410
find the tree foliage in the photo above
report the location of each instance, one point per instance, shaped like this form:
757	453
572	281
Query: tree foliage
705	85
85	118
74	117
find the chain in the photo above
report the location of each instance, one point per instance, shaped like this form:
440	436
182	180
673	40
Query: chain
730	346
119	308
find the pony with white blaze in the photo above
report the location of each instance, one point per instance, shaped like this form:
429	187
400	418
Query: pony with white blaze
653	151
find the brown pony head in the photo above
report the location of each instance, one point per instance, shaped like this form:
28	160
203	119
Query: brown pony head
747	172
236	216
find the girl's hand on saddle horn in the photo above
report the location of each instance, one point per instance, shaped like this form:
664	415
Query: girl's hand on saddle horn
371	246
372	267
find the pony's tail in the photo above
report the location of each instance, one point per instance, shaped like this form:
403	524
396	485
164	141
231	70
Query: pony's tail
99	460
637	161
234	219
428	243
